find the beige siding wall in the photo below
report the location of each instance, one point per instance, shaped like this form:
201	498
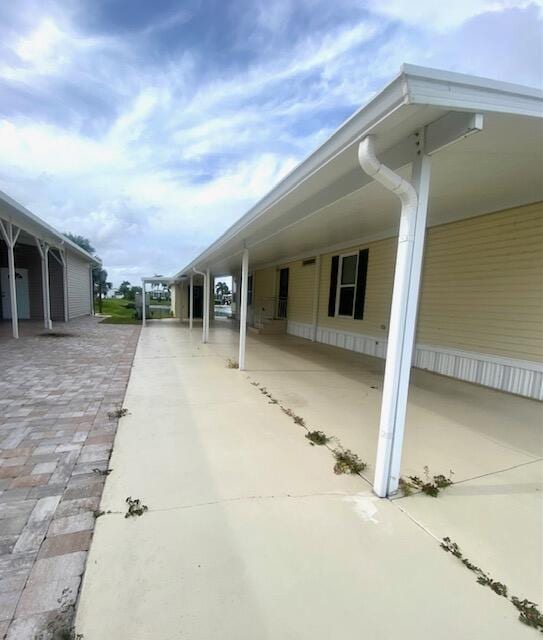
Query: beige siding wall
300	291
78	286
264	284
482	286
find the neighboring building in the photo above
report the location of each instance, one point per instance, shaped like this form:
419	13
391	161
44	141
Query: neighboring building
437	185
52	275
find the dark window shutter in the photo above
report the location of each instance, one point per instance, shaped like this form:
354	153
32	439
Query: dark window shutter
361	284
250	290
333	287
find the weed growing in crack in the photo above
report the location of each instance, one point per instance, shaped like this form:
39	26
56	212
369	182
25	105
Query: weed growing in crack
135	507
347	462
102	472
290	413
430	486
97	514
317	437
405	487
118	413
529	613
232	364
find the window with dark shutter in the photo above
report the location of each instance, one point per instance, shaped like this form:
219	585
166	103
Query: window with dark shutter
361	277
333	287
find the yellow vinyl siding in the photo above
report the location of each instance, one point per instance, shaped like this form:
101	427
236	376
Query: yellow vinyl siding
300	292
264	284
482	286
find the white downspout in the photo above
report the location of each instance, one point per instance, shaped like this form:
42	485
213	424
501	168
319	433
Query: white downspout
402	314
204	335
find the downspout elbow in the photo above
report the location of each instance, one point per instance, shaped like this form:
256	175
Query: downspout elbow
381	173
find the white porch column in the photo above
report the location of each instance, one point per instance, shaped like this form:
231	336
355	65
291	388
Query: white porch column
91	280
62	254
243	308
421	181
316	296
11	233
403	314
208	298
191	301
143	319
43	249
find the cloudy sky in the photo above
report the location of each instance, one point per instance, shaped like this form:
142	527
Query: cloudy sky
150	126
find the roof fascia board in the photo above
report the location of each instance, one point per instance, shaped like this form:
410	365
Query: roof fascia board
467	93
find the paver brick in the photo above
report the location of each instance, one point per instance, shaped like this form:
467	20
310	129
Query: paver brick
70	524
65	543
54	396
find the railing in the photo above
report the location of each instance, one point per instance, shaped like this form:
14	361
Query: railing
282	307
268	308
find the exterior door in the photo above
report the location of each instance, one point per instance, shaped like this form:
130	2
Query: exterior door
23	298
283	294
198	309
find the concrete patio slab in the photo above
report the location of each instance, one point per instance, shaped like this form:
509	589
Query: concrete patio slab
250	534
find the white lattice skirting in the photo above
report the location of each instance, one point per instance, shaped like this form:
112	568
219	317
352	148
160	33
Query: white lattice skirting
522	377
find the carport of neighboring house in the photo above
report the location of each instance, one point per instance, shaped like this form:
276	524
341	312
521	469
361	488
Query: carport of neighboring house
414	233
44	277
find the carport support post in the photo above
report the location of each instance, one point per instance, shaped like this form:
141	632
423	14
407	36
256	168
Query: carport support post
43	249
191	301
208	296
10	236
62	254
316	291
401	338
143	323
243	308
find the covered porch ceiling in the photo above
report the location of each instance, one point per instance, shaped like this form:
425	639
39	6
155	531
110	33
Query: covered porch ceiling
328	201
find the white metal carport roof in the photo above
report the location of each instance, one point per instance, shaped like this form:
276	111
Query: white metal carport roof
326	200
31	225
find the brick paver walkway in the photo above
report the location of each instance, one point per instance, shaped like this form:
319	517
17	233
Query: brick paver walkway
55	438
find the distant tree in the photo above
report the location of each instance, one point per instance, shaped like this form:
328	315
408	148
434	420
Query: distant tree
132	293
101	285
222	289
82	242
124	289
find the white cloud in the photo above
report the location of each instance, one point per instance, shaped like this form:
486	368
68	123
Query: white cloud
436	16
187	153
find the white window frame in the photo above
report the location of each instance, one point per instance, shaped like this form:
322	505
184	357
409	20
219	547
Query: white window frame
339	286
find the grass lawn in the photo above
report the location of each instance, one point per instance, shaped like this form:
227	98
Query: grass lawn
119	314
